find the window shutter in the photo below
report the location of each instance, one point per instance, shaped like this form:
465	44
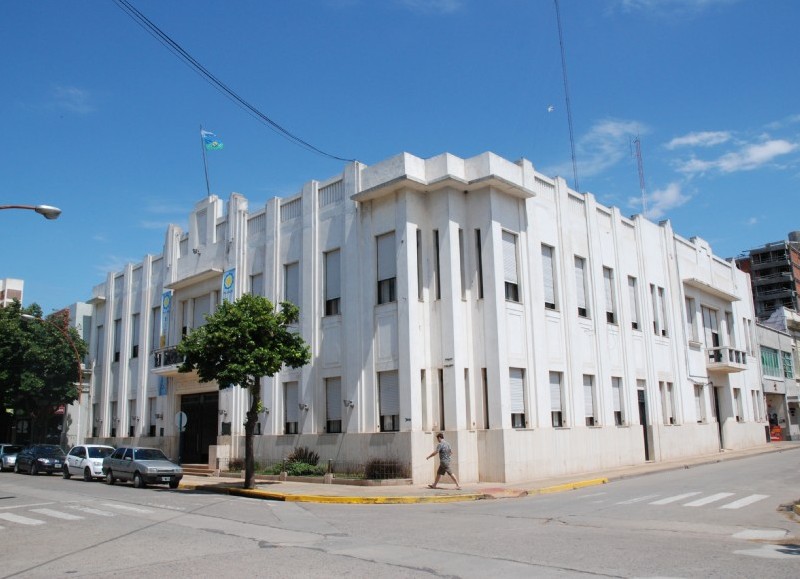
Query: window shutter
580	282
555	392
291	401
510	257
632	295
387	260
698	402
608	282
616	390
389	394
292	283
547	272
588	395
332	275
202	307
333	398
515	382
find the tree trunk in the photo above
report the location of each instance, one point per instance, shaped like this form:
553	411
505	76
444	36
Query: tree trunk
249	429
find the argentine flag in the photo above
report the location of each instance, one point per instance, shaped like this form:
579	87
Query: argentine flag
210	141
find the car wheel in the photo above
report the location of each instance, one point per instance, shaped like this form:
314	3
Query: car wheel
87	474
138	481
109	478
34	470
65	472
173	484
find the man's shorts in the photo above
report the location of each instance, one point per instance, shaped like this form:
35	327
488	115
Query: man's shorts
444	468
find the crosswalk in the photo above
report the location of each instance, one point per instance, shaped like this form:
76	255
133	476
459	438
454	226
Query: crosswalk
32	517
693	499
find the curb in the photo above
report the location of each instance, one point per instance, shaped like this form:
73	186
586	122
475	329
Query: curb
570	486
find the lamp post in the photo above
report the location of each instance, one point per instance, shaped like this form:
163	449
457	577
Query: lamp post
48	211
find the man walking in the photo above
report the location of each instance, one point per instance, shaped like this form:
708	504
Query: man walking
445	452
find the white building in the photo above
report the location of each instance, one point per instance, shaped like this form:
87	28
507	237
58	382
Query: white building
779	340
545	333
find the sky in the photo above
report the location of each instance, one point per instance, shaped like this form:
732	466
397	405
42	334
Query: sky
102	121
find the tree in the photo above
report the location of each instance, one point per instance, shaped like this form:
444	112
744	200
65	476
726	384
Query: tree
39	361
241	342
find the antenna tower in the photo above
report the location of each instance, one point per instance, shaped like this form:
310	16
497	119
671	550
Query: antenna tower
640	166
566	96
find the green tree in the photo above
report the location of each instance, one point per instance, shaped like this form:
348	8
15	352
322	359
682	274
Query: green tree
239	343
39	360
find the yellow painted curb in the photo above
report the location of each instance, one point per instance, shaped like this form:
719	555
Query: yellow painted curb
796	509
568	486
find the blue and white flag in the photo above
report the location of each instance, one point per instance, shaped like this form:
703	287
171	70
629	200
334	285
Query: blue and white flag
228	285
210	141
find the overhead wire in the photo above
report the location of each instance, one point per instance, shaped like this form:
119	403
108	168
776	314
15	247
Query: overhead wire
209	77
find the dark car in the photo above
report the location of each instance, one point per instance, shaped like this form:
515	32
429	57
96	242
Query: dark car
8	455
38	458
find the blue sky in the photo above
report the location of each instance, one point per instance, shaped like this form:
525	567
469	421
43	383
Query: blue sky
102	121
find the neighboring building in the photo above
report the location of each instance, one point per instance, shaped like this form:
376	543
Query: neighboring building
775	274
77	424
783	378
10	290
545	333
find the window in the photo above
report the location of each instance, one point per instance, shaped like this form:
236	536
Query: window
510	267
662	304
155	328
114	419
201	307
616	394
557	400
634	302
580	286
257	284
699	404
667	402
756	406
485	384
737	404
608	284
185	327
437	275
659	310
290	408
387	268
420	284
548	277
710	331
131	417
151	412
516	383
729	326
135	336
333	288
333	404
691	320
748	340
441	399
788	369
462	263
117	338
588	400
770	363
479	262
291	283
389	401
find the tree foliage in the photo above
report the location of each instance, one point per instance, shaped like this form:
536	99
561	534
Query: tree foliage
241	342
39	362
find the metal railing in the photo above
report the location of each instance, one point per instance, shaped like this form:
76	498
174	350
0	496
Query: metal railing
168	356
727	355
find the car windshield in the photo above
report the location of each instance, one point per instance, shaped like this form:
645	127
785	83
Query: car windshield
12	449
149	454
52	451
99	452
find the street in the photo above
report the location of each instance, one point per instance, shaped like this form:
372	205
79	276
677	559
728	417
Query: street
729	519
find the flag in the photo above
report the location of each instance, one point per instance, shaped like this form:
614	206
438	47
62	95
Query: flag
210	141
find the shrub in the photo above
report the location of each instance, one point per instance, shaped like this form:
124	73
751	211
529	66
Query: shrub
304	469
385	468
303	454
235	464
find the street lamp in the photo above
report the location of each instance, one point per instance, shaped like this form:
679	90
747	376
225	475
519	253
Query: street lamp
48	211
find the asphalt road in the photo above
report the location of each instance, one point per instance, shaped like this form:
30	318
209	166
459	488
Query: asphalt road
729	519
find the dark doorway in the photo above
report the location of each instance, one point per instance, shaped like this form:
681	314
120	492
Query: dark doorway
201	426
718	416
643	422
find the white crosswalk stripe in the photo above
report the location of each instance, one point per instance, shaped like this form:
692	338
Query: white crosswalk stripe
744	502
674	499
92	511
708	500
637	500
128	508
12	518
57	514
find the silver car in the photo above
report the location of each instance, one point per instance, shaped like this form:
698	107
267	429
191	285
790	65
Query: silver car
8	455
86	460
143	466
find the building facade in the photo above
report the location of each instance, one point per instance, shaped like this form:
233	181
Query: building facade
774	271
779	340
542	331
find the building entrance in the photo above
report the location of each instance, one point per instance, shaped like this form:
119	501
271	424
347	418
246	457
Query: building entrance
201	426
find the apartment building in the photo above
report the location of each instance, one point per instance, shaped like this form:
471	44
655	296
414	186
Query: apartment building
774	271
542	331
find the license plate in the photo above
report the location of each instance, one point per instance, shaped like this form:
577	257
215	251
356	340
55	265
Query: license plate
165	479
57	465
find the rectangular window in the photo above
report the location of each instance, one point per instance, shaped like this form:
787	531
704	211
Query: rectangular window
580	287
510	267
549	277
633	295
389	401
485	385
291	283
333	404
117	338
462	261
333	287
588	400
155	328
468	399
114	419
731	329
131	417
201	307
135	336
662	304
611	301
667	402
420	284
770	363
748	340
291	410
185	321
616	394
756	406
737	404
557	400
699	404
659	310
257	284
710	328
100	354
479	262
423	395
437	274
788	367
387	268
441	399
691	320
516	383
151	413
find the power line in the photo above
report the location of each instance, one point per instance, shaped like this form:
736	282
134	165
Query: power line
209	77
566	96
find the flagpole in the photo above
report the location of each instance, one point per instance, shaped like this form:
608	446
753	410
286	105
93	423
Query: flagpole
205	160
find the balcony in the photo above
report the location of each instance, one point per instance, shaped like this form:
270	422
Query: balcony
166	361
726	360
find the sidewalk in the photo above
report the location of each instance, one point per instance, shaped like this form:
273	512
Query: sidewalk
409	494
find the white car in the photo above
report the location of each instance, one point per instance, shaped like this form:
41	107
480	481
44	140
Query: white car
86	460
8	455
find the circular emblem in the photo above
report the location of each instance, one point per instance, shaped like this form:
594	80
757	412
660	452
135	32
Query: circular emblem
167	300
227	281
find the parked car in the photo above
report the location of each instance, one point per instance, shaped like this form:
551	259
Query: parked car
8	455
141	465
40	458
86	460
